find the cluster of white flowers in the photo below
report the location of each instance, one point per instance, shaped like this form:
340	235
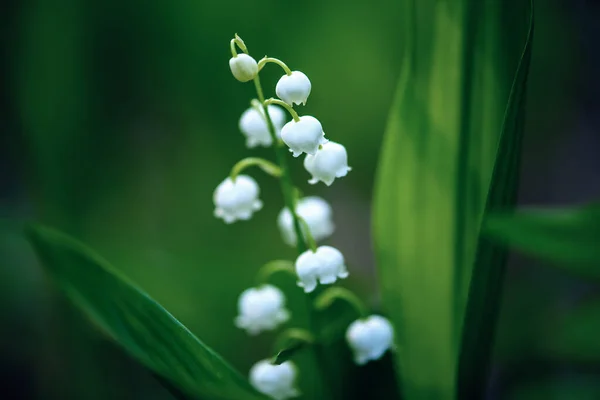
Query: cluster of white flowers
237	198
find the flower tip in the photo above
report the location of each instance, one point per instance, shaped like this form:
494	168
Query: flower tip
257	205
343	274
360	360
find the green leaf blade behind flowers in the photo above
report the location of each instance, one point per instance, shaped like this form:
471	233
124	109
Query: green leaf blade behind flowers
445	136
563	235
144	329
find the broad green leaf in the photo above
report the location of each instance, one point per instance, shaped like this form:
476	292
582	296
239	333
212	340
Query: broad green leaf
446	131
565	235
144	329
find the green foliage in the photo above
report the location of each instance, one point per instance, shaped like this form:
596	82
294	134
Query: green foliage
574	337
290	345
141	326
565	235
576	389
485	290
450	150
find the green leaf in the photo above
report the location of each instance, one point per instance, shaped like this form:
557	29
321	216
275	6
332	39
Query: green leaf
289	349
144	329
487	276
451	124
552	389
574	336
565	235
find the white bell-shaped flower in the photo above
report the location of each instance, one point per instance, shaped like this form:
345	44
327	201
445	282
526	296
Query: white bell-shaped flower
330	162
254	125
318	216
304	136
261	309
236	200
324	266
370	338
275	381
294	88
243	67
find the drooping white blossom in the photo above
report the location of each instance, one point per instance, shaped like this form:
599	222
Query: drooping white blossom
318	216
254	125
294	88
370	338
324	266
275	381
243	67
330	162
261	309
236	200
303	136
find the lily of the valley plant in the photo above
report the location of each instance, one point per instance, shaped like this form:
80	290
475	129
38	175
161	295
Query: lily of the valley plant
303	221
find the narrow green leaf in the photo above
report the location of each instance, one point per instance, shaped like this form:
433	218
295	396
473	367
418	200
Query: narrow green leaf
290	342
566	235
444	135
291	348
487	277
144	329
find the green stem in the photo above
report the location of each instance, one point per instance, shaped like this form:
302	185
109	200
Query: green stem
287	188
232	46
266	166
273	267
240	43
293	334
326	299
285	105
265	60
289	197
312	244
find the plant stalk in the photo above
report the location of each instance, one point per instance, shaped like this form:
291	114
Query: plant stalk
287	189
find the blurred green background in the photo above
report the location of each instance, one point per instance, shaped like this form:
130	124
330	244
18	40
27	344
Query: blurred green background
119	118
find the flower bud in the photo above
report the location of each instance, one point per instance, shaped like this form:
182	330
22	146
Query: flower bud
261	309
236	200
369	338
304	136
325	265
318	216
330	162
243	67
275	381
293	88
253	125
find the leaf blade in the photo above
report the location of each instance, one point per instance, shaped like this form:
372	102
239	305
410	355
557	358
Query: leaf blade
566	235
485	288
133	319
436	168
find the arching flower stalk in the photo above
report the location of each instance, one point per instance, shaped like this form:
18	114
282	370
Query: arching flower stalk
302	222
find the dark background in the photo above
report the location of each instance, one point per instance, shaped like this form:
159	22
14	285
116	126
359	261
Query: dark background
119	118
